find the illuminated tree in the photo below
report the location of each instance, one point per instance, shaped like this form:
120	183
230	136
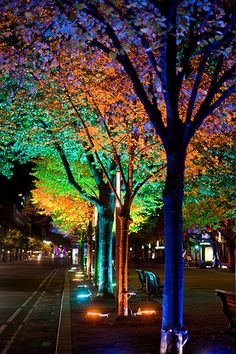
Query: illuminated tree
178	56
36	133
13	240
190	65
123	135
210	193
69	212
187	65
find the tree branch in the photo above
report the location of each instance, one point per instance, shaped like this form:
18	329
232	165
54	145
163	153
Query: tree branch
92	145
141	184
205	109
123	58
69	173
196	85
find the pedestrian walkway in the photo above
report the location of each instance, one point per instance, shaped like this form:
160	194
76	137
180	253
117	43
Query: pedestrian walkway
204	319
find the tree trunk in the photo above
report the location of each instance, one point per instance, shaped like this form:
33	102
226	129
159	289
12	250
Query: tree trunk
90	250
95	278
106	219
123	249
231	247
172	334
117	253
81	255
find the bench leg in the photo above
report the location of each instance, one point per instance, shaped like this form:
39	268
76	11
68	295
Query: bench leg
229	329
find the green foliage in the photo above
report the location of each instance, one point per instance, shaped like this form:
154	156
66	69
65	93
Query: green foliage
55	196
210	194
13	238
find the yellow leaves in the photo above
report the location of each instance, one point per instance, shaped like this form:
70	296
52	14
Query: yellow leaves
73	210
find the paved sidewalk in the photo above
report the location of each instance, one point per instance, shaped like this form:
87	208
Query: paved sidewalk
204	319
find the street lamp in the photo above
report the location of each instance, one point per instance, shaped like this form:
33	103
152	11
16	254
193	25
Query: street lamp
118	239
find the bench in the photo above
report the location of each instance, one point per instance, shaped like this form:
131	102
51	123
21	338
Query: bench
142	278
150	281
153	284
229	307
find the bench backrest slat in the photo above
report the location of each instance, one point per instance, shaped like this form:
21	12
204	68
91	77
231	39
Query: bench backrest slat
229	302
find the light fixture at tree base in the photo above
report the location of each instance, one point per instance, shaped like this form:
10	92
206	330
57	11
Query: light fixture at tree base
83	293
94	314
145	312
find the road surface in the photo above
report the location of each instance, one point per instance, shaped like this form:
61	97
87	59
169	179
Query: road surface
30	298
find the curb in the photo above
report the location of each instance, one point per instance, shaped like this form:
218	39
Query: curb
63	343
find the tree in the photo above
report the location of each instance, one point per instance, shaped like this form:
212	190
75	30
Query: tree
121	132
69	212
177	54
187	55
191	66
126	143
210	193
35	133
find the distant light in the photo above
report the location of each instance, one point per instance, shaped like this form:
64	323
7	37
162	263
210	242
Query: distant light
131	249
72	269
82	286
79	275
97	314
224	267
142	247
61	255
145	312
149	245
47	242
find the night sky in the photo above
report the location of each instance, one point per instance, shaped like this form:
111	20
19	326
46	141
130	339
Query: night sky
21	182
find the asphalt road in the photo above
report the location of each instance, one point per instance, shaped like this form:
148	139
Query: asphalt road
30	297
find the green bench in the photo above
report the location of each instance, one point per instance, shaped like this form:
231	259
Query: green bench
150	281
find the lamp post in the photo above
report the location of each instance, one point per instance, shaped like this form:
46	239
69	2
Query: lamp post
118	240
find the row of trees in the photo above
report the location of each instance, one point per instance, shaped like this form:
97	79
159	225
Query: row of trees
15	244
89	76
